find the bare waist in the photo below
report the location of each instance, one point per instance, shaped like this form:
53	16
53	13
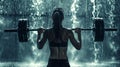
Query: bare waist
58	60
58	52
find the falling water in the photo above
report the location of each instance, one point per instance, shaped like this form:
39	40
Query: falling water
111	21
98	50
36	23
92	53
74	7
96	12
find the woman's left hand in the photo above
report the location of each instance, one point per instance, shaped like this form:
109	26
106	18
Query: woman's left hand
77	30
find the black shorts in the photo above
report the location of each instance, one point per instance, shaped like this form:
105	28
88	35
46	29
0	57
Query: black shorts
58	63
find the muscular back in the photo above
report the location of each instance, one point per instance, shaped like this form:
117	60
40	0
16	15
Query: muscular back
58	45
58	42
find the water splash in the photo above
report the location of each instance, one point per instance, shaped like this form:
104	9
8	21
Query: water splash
111	25
1	11
96	12
37	6
97	6
98	50
74	7
2	21
94	6
111	14
1	7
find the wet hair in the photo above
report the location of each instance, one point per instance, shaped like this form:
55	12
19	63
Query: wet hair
58	14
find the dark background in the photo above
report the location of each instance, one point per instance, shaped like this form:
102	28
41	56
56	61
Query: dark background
78	13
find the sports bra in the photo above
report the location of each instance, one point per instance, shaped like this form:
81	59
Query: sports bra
53	44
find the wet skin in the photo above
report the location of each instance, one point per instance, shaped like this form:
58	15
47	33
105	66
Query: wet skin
57	51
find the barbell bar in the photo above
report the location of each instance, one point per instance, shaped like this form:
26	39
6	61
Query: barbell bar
16	30
23	30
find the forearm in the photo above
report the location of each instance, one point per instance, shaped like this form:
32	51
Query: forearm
41	41
79	39
38	40
38	37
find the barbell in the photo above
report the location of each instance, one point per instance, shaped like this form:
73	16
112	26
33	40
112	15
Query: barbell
23	31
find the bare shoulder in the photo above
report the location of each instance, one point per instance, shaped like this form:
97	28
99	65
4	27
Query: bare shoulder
69	32
49	30
46	32
66	30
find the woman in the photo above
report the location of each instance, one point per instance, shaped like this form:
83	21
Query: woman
58	40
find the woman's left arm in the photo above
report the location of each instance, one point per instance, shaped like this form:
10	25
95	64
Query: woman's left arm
41	42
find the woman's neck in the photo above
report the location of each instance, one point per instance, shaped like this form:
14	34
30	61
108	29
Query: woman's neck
57	26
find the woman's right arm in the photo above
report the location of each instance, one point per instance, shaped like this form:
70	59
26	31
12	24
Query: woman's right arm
75	43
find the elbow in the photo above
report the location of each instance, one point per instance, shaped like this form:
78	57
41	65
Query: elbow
38	46
79	47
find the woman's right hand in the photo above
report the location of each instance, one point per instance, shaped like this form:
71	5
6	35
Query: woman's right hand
78	30
40	31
